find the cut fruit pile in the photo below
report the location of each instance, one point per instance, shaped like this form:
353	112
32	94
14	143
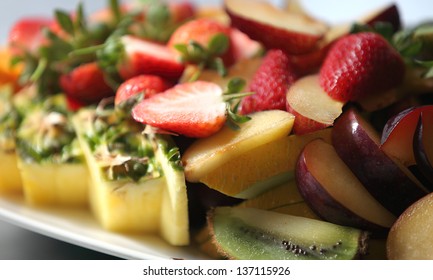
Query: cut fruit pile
252	133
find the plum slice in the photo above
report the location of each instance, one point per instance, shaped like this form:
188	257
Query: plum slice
423	145
386	178
334	193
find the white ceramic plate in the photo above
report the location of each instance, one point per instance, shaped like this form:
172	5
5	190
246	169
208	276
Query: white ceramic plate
78	227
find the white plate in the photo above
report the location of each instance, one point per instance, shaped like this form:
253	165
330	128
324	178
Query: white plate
77	226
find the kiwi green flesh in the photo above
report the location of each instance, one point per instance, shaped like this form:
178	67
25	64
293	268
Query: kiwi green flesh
253	234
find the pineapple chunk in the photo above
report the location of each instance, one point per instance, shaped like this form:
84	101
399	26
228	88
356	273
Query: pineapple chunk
50	160
54	184
122	205
174	207
10	178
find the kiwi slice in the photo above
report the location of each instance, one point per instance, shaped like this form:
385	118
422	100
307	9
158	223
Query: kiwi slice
254	234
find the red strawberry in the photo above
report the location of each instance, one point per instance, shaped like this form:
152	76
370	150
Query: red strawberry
360	64
202	31
194	109
147	84
181	11
144	57
26	34
270	83
86	84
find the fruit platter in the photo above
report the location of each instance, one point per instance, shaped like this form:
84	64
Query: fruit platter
171	130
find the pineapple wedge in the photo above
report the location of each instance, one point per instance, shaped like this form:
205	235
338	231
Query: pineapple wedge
147	199
50	161
10	178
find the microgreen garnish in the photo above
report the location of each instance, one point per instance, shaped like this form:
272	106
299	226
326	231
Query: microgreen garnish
233	93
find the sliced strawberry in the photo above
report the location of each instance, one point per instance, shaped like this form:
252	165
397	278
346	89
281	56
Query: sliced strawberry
194	109
270	83
149	85
202	31
26	34
144	57
360	64
86	84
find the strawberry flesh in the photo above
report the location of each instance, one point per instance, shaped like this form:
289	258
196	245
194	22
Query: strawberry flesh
194	109
361	64
270	83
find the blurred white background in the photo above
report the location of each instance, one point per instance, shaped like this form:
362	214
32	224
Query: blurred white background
332	11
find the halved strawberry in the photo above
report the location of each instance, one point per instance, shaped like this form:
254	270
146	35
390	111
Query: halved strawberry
360	64
194	109
86	84
270	83
144	57
202	31
26	34
149	85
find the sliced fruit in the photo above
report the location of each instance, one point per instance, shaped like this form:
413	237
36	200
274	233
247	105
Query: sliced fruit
311	105
261	168
388	13
275	28
249	234
360	64
174	204
284	199
118	202
55	184
195	109
209	153
410	238
423	147
243	46
334	192
357	143
398	134
26	34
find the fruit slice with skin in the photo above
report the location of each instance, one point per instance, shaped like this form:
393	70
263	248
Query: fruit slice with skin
249	233
334	192
119	205
410	238
357	143
274	28
209	153
174	205
311	105
398	132
261	168
423	145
